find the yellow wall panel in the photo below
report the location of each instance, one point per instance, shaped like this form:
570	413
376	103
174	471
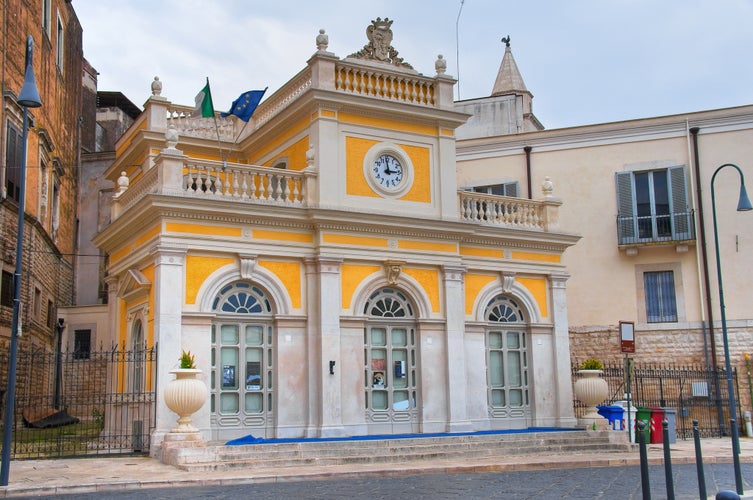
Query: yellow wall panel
426	245
148	273
278	141
296	155
429	281
355	152
179	227
538	288
345	239
138	242
474	283
198	269
482	252
263	234
421	189
387	123
290	275
352	276
542	257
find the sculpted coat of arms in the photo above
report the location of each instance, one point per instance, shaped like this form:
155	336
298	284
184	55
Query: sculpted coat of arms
379	48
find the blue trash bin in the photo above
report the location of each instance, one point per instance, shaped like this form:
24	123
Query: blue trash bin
613	414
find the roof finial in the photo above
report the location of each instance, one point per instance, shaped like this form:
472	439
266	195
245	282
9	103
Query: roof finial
506	40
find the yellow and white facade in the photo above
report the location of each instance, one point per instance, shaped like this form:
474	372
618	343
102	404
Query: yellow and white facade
326	271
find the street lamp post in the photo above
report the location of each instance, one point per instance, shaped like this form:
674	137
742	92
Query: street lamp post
743	204
27	98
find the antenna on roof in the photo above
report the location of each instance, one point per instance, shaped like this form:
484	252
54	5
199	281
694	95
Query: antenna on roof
457	45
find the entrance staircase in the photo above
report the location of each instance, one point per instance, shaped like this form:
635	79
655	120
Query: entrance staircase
454	449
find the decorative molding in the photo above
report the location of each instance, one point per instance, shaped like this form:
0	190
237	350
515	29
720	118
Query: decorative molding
508	281
133	284
246	266
454	273
392	269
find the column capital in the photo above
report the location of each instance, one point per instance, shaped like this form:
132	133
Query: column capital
454	272
168	255
559	280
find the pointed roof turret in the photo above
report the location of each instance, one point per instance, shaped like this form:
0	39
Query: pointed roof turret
508	80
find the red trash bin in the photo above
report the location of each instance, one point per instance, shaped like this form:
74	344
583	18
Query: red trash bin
657	431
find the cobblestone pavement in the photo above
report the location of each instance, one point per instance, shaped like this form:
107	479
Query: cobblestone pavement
572	475
580	483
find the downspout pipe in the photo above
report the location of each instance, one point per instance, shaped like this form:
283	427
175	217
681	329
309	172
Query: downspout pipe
705	267
528	150
704	254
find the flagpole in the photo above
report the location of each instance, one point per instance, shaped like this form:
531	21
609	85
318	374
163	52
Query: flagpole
217	128
219	144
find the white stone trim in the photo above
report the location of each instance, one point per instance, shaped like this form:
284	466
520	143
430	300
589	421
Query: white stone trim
278	294
515	290
404	283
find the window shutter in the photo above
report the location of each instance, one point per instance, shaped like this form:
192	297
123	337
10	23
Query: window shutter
511	189
625	212
678	192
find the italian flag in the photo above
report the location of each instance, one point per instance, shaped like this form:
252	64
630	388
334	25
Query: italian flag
204	107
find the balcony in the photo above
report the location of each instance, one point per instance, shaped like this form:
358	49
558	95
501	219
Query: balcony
670	228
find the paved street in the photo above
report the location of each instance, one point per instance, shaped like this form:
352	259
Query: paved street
581	483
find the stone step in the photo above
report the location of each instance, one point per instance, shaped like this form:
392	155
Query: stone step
390	450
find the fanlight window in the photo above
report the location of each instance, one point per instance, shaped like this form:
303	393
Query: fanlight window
242	298
504	310
388	303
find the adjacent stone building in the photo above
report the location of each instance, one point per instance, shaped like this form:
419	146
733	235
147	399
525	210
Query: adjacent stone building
52	158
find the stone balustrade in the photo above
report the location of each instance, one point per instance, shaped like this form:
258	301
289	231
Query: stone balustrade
388	85
206	128
518	213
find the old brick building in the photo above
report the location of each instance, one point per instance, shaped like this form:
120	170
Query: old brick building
53	145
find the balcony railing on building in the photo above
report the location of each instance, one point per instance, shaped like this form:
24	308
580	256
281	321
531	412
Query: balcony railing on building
656	228
170	172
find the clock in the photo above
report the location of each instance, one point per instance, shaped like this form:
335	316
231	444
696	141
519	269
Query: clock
387	171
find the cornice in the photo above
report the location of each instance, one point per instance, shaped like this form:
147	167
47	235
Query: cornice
608	133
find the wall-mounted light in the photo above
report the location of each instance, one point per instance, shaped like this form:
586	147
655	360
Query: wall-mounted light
331	367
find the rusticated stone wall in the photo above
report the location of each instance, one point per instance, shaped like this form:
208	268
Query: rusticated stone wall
679	347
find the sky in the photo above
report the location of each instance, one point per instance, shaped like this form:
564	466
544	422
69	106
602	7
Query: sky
584	61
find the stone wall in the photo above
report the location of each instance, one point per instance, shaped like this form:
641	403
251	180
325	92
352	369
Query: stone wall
679	347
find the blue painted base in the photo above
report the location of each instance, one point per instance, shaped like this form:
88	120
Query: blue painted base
255	440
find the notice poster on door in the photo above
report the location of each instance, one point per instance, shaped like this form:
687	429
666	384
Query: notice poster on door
253	375
228	376
378	366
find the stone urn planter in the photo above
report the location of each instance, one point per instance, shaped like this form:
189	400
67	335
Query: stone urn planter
185	395
591	390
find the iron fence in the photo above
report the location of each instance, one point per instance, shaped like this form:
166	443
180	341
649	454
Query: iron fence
81	403
693	392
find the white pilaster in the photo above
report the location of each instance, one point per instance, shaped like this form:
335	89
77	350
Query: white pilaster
330	293
457	397
561	352
169	291
314	349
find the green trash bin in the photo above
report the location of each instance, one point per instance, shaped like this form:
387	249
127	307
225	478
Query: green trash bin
643	415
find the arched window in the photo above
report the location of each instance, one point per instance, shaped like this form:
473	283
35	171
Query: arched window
390	359
137	357
506	356
242	382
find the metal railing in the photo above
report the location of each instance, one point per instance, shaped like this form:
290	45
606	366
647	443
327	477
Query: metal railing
77	403
668	228
693	392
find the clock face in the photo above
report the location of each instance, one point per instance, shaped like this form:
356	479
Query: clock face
388	171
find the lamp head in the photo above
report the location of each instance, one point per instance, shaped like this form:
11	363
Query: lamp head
29	95
743	204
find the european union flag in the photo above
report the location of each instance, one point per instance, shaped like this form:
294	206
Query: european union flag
245	105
